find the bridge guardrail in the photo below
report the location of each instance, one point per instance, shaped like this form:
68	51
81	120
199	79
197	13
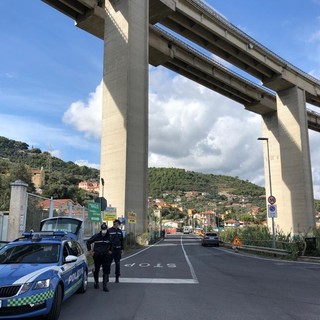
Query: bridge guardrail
268	250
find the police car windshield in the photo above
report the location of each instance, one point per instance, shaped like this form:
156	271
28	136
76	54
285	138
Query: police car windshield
30	253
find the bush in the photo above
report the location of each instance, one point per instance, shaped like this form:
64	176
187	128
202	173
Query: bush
261	236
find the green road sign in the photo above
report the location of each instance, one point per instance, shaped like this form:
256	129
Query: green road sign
94	211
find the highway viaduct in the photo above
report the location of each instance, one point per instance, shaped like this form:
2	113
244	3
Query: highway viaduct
132	41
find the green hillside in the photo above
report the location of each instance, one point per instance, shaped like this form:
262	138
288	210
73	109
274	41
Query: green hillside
62	178
171	179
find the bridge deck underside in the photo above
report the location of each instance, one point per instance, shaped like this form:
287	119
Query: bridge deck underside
182	59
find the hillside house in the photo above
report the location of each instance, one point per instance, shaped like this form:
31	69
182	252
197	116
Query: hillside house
38	177
62	207
231	223
91	187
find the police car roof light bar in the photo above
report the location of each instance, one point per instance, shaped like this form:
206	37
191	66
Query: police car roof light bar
40	234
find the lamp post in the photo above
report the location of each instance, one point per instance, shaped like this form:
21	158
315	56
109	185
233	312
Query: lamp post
270	186
102	182
102	196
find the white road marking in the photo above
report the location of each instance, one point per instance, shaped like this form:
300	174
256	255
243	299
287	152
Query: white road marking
184	239
194	277
167	245
150	280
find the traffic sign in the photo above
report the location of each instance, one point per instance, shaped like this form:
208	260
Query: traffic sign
132	217
272	199
102	201
236	242
272	211
94	211
110	214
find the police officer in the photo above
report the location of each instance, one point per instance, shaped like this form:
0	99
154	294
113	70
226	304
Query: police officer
116	239
102	251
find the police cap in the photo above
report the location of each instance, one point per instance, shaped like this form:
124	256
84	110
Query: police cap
104	226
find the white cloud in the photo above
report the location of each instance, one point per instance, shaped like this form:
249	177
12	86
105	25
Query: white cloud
190	127
86	117
25	129
60	142
88	164
10	75
315	37
197	129
56	153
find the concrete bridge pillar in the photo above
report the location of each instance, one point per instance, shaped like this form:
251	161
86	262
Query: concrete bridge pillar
290	163
17	210
124	139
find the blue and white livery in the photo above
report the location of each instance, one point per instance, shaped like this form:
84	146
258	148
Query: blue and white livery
38	272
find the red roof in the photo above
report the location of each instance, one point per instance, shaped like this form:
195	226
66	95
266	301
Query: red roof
45	204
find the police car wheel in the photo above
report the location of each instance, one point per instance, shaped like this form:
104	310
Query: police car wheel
84	283
56	304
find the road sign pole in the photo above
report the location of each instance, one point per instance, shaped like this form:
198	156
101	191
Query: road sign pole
270	186
272	210
273	237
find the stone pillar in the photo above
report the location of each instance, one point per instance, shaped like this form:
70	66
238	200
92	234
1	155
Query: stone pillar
270	131
18	209
124	138
287	131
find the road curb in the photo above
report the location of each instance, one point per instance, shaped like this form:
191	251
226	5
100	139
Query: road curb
309	259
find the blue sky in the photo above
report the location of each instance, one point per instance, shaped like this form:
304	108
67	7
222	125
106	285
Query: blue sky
51	71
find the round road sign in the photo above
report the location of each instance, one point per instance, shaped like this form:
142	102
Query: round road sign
272	199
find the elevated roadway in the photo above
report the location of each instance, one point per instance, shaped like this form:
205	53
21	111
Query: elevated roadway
174	54
281	101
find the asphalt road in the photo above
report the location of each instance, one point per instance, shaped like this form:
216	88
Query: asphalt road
179	279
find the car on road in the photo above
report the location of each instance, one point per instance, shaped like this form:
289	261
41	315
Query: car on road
210	239
39	271
187	229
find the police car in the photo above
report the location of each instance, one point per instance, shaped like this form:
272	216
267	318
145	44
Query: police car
38	272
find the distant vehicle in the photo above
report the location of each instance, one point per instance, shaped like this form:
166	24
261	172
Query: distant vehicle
187	229
210	239
198	231
38	272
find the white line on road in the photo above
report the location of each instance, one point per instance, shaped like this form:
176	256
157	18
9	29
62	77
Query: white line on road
189	263
184	239
175	244
151	280
166	245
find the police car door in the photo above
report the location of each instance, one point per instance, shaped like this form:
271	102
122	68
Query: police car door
70	273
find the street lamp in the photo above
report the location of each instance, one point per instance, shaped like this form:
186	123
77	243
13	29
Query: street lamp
102	182
270	186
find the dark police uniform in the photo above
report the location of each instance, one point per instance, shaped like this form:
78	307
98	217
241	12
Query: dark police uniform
116	239
101	256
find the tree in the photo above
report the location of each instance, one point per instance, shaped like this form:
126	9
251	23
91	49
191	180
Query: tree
17	171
